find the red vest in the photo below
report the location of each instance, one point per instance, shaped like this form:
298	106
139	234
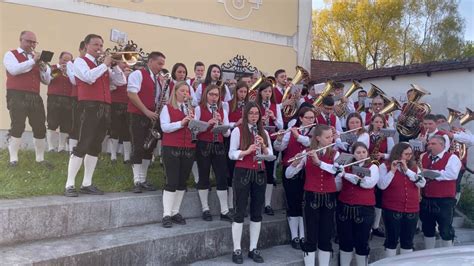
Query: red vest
206	115
271	123
355	195
99	91
60	85
278	95
368	118
170	88
322	120
294	147
248	161
181	137
402	195
309	100
235	115
119	95
318	180
29	81
146	94
434	188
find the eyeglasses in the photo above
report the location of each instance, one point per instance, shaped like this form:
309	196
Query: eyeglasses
30	41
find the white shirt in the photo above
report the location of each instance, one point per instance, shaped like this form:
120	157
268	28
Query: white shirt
225	119
281	146
135	83
165	120
338	123
464	137
234	147
15	68
390	121
198	95
89	76
70	72
364	138
367	182
451	171
293	170
386	177
279	118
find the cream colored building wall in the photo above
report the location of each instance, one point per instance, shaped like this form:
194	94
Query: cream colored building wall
61	25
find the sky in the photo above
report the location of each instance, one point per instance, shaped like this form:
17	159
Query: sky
466	9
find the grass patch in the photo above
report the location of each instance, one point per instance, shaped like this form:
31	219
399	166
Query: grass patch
466	203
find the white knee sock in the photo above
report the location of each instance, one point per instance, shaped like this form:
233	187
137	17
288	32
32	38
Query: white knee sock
390	252
345	258
301	226
136	169
89	166
237	234
178	198
230	197
268	194
72	144
323	257
72	169
195	172
430	242
120	148
203	193
378	215
405	251
446	243
168	200
40	145
144	170
293	223
113	144
222	195
13	148
254	234
62	141
127	149
50	137
361	260
309	258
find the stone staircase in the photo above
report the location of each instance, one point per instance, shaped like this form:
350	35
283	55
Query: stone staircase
124	229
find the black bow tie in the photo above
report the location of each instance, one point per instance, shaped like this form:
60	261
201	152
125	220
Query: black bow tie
434	158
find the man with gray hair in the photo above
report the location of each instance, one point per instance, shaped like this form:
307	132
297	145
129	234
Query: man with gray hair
438	196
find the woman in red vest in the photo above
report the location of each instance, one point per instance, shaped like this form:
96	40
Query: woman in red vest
401	198
178	151
355	208
213	75
292	143
353	121
210	151
319	203
271	117
236	106
179	72
248	140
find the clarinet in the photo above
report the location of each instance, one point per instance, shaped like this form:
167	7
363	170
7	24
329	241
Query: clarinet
214	116
266	104
258	151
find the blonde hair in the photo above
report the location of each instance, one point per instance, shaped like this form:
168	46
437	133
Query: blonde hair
173	101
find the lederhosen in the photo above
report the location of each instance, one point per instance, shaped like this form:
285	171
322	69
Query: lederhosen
94	103
75	115
355	215
24	101
59	103
401	205
269	165
139	123
178	153
210	151
119	126
249	180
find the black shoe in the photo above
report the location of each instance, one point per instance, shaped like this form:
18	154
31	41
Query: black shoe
13	164
178	219
269	211
295	243
167	222
46	164
206	216
93	190
237	257
126	162
147	186
378	232
227	217
231	212
255	256
137	188
70	192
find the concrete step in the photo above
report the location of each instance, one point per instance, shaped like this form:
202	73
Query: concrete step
144	245
47	217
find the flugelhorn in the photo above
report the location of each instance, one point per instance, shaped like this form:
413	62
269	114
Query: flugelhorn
341	109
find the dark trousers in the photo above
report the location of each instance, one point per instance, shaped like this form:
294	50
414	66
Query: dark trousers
458	181
353	227
247	183
95	120
399	225
119	125
139	128
269	166
318	216
211	154
59	113
230	163
378	197
294	194
24	105
178	163
437	210
75	118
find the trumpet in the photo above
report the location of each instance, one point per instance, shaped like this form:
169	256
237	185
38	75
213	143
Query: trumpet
129	57
62	70
289	129
303	155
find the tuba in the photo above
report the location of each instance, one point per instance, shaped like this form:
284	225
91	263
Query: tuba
376	91
457	147
341	108
408	123
301	75
253	90
392	106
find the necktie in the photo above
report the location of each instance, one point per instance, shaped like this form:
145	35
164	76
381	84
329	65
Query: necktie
328	121
182	108
434	159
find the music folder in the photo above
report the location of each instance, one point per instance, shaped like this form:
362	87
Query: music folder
360	171
46	56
